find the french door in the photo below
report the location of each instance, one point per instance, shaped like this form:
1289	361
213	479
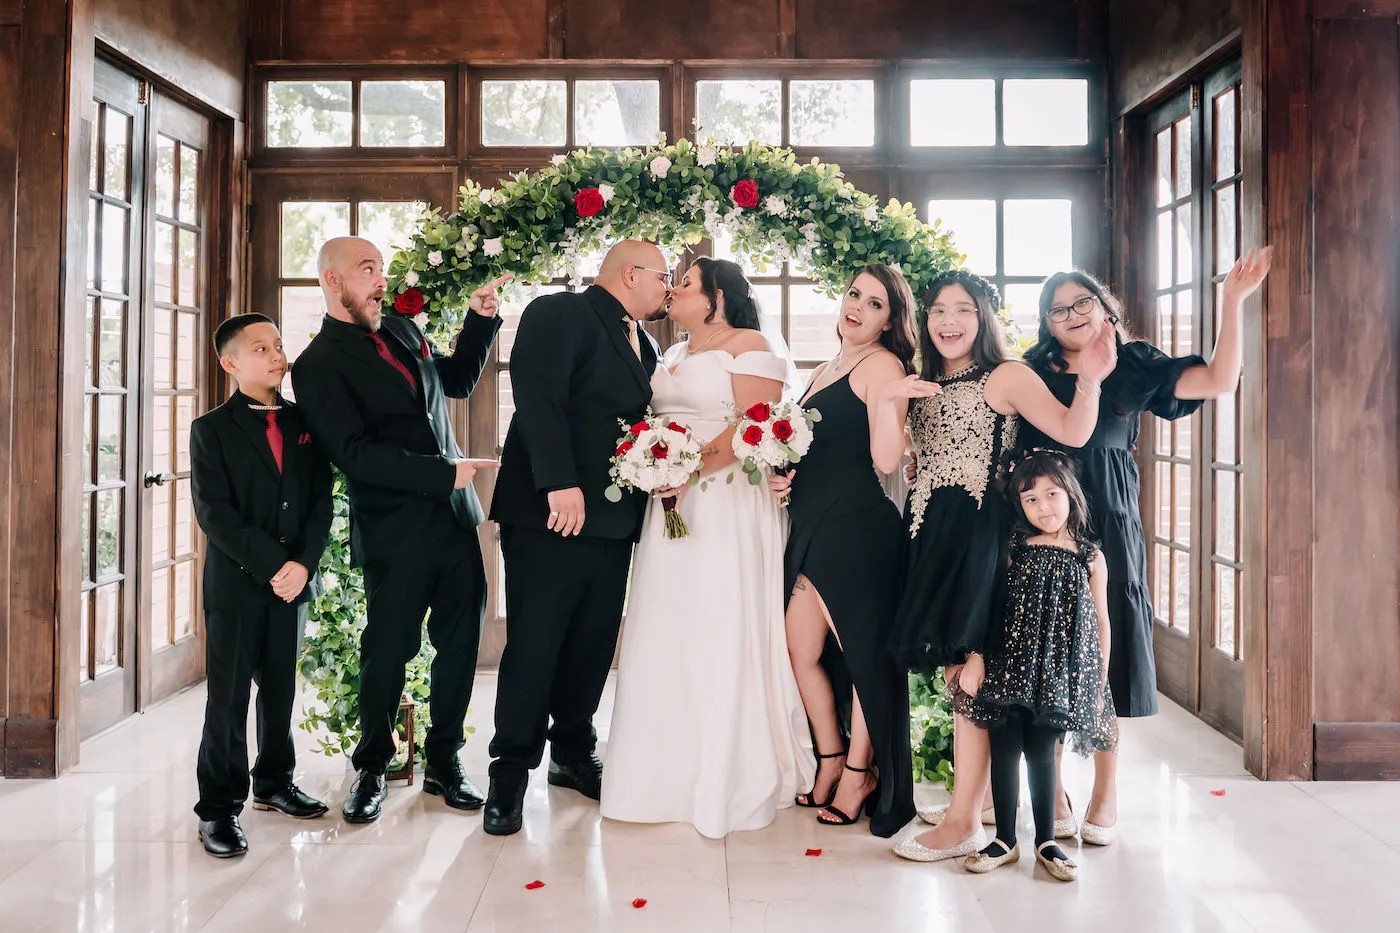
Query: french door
148	205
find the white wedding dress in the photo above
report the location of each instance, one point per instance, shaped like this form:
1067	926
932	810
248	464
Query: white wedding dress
708	727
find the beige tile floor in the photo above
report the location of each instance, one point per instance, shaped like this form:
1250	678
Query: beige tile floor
111	846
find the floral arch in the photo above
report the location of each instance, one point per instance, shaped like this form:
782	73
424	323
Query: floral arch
538	225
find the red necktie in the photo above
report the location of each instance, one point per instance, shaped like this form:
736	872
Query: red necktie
393	360
274	438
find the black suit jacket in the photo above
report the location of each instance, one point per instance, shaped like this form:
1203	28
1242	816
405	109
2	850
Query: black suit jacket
256	518
574	377
394	444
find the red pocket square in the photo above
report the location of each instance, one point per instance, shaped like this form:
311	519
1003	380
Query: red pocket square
426	352
304	439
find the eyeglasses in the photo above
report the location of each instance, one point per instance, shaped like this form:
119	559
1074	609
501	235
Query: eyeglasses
664	273
1080	308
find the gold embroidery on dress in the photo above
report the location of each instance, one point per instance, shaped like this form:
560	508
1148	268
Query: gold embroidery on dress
955	438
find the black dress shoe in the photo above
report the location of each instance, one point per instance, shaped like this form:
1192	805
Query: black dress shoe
223	838
365	798
584	776
505	805
454	787
291	801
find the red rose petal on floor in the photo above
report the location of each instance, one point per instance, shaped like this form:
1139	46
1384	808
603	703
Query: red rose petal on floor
813	853
639	903
1218	793
534	885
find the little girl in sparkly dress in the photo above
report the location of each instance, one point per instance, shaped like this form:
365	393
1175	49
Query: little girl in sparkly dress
1048	675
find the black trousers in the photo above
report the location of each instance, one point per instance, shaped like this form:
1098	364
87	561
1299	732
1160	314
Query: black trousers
254	646
449	580
1009	741
564	599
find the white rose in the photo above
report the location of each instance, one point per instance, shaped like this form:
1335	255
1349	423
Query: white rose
559	159
606	191
493	246
872	214
775	204
410	278
487	195
421	319
435	258
705	156
660	166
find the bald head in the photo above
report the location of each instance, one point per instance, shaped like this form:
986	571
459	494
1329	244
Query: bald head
351	271
634	272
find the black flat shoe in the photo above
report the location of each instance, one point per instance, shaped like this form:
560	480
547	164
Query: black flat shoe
290	800
454	787
505	805
584	776
223	838
365	799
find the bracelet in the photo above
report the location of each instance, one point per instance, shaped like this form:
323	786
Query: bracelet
1093	392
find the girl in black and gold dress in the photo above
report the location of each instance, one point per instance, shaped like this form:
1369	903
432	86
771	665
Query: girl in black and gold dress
1047	675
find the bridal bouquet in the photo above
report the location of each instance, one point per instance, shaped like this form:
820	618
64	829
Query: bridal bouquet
773	436
655	453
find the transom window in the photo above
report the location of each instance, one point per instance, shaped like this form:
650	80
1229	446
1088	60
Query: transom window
961	112
830	113
360	113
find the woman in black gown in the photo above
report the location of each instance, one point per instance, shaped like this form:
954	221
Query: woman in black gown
1074	309
844	565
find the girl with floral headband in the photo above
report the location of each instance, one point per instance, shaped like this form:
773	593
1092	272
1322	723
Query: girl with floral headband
966	408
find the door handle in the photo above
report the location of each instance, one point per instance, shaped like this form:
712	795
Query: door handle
157	479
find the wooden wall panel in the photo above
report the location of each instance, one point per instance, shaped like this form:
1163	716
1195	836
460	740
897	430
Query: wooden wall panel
433	30
1358	751
648	29
1151	43
197	46
937	29
1356	229
9	169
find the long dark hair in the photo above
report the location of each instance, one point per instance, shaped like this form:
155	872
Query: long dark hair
899	339
1060	470
1047	354
989	350
722	276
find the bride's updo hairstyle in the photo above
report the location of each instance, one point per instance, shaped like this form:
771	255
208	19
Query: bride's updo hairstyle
722	276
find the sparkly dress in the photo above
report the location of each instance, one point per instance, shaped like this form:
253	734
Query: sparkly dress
957	521
1048	660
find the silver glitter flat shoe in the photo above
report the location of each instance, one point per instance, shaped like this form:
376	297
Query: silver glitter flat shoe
1061	869
935	815
1067	828
911	849
1096	835
980	862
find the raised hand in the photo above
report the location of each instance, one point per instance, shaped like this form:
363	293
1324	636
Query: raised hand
910	387
1247	275
484	300
1099	358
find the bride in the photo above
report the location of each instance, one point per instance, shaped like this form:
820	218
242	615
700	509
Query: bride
708	727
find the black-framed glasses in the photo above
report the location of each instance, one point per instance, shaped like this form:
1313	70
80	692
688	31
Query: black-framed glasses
1080	308
664	273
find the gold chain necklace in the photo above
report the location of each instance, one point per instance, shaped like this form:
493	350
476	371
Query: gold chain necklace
702	346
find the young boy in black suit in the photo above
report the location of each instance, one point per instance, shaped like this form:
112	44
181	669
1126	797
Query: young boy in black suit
262	495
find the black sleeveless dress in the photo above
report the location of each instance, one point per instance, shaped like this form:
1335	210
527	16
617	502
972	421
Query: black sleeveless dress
1144	380
958	523
847	539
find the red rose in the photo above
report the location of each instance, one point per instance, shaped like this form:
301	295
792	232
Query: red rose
745	193
409	303
782	430
659	450
753	436
678	428
624	447
637	429
588	202
760	412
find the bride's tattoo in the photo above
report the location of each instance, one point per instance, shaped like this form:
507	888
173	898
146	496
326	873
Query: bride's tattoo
800	585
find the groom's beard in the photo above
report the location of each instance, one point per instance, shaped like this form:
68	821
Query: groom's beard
361	312
660	314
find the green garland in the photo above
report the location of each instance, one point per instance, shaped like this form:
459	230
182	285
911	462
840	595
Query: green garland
538	225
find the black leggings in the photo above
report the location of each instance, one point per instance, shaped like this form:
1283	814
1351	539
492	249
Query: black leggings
1008	741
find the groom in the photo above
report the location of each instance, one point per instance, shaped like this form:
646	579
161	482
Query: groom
581	364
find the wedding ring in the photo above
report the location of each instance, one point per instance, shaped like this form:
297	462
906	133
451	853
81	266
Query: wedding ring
553	514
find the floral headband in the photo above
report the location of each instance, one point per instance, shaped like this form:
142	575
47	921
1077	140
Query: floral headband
967	279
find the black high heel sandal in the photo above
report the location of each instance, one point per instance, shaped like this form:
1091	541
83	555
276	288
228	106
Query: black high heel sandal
811	802
867	804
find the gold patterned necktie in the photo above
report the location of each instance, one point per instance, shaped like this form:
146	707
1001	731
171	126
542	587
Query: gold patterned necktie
632	339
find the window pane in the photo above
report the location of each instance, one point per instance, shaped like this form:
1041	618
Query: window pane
953	112
107	619
1225	578
308	113
1182	506
1038	236
184	416
183	622
505	408
616	113
403	113
186	356
1225	134
109	437
1226	243
1162	593
93	210
189	268
1164	167
112	344
162	459
189	184
1045	112
94	166
116	146
305	226
165	176
1181	586
812	324
160	608
1164	249
160	526
1226	409
114	246
184	519
85	620
1226	541
1185	324
163	347
973	225
109	532
1185	246
165	262
1183	157
739	111
303	307
1163	491
1023	304
389	225
831	113
524	113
